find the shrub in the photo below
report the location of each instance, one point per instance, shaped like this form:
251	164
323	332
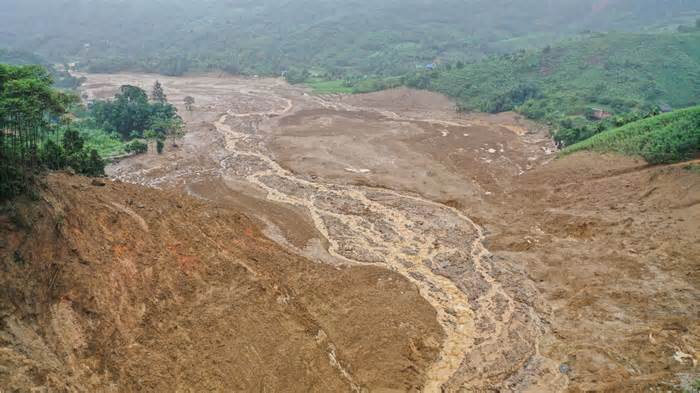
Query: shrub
136	147
53	155
13	181
93	165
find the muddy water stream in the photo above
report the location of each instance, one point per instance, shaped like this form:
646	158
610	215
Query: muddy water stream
491	337
408	234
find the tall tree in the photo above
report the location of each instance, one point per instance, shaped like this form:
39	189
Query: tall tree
189	102
129	112
158	94
30	111
27	91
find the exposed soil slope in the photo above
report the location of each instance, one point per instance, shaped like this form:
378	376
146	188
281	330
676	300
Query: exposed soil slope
613	246
124	288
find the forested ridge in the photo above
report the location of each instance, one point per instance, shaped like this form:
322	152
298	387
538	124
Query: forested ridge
341	38
60	76
580	86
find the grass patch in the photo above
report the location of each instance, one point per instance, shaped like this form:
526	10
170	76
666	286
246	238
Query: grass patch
329	87
353	86
377	84
107	144
663	139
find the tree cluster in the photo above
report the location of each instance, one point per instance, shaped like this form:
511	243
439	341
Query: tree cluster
31	121
133	116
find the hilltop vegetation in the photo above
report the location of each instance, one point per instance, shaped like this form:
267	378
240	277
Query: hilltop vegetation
61	78
572	85
336	38
662	139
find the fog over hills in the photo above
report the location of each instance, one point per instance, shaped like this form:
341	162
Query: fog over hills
378	37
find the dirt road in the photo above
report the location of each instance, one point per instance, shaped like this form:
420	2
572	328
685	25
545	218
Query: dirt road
397	179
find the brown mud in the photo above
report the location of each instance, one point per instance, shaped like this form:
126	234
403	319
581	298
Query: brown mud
527	273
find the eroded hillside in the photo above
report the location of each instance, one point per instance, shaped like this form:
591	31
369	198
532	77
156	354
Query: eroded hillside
122	288
378	242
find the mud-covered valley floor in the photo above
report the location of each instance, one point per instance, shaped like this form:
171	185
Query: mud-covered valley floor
379	242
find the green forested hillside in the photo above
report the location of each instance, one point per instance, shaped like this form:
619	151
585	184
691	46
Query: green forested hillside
331	37
666	138
616	73
61	78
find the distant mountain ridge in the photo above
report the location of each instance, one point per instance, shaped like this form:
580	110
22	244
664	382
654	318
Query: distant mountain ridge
266	36
62	79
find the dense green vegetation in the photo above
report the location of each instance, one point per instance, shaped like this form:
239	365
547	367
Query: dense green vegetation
34	132
572	85
107	145
666	138
131	115
61	78
352	85
120	126
322	86
336	37
44	128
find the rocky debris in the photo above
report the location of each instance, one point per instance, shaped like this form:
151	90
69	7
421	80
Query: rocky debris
564	368
97	182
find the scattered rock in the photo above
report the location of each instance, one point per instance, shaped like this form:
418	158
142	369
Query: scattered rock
684	358
564	368
18	258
